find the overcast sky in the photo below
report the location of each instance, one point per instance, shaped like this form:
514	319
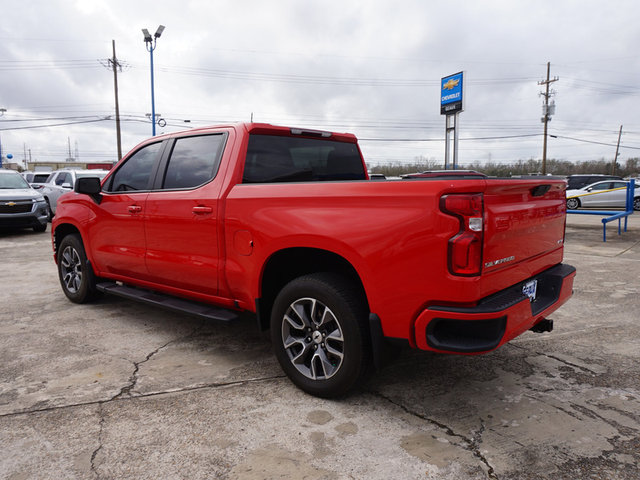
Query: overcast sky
372	68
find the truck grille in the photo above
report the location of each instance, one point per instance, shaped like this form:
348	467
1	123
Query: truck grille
17	206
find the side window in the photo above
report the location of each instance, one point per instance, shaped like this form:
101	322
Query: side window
135	173
619	185
64	177
602	186
194	161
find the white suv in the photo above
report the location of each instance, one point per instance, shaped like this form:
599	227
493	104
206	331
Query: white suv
62	181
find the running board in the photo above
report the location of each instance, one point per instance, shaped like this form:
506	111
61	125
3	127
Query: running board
166	301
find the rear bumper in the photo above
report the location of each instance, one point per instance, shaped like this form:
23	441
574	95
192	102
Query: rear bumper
496	319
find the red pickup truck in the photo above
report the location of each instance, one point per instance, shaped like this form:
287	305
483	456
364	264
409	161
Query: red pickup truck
285	223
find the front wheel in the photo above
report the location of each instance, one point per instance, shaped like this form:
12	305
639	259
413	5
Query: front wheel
49	212
636	203
319	333
573	204
76	277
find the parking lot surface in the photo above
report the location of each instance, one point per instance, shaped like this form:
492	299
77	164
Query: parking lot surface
117	389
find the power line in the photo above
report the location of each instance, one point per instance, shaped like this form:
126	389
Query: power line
501	137
55	124
594	142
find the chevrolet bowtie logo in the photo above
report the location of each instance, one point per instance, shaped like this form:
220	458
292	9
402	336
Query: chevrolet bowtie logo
11	204
451	84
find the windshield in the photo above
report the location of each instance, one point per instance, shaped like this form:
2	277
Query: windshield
12	181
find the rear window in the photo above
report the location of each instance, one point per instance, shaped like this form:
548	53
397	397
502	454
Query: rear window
290	159
40	177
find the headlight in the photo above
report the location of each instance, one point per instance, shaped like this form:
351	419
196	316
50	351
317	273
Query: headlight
39	199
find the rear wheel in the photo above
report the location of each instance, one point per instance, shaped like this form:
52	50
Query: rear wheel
320	336
76	276
636	203
573	204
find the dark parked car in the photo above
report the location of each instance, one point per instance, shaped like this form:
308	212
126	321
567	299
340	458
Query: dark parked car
574	182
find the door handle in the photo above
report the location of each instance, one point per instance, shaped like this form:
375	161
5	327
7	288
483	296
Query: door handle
199	210
134	208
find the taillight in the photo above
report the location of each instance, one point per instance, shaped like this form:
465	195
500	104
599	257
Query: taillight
465	248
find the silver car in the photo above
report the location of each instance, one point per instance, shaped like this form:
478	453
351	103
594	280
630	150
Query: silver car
609	193
62	181
20	205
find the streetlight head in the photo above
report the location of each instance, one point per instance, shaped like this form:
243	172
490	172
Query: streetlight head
147	35
159	31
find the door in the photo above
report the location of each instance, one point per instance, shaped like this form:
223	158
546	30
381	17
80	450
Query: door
618	196
181	216
118	237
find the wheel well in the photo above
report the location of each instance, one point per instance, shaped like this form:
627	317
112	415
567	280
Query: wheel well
61	232
292	263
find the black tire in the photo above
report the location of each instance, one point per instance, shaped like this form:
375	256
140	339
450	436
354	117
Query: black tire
636	203
573	203
76	276
40	228
49	212
320	334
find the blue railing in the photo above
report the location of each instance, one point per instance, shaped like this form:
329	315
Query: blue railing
612	214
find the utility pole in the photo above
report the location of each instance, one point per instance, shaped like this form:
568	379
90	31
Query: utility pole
115	65
615	159
69	158
547	111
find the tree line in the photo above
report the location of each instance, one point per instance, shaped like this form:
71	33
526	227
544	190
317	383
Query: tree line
631	168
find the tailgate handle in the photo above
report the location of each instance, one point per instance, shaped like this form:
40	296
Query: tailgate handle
540	190
202	209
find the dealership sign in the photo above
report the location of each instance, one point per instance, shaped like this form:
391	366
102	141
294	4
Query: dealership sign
451	94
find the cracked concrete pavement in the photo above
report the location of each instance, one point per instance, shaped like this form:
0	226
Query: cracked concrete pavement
117	389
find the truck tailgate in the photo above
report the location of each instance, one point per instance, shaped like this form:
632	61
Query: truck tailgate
524	219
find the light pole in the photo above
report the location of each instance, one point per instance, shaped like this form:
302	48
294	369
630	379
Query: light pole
2	112
150	43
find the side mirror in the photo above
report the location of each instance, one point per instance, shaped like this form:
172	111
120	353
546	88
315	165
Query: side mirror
589	189
66	185
89	186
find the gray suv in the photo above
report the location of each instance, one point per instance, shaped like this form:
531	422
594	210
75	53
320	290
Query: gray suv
20	205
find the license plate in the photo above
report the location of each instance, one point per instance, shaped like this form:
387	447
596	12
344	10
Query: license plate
530	289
